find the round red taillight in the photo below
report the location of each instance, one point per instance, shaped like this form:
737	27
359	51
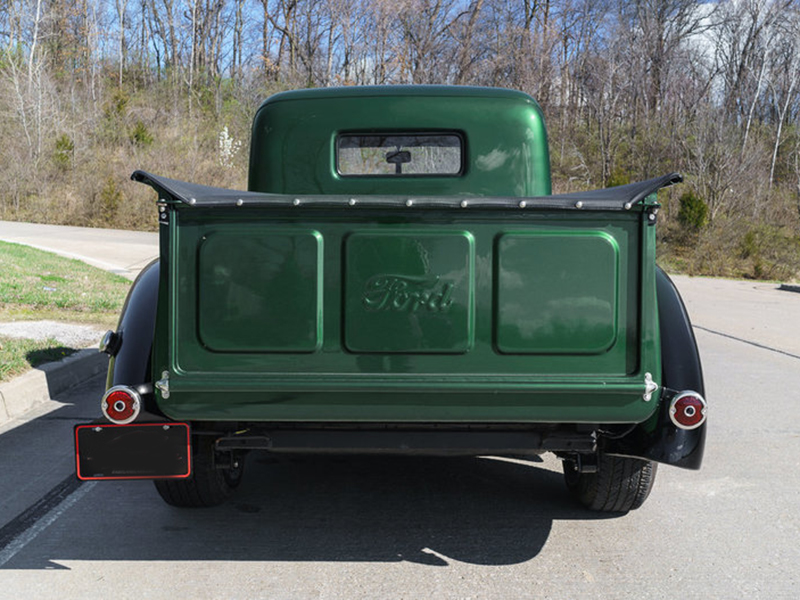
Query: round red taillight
688	410
121	405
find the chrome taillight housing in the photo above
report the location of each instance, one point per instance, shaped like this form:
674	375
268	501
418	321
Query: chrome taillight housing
688	410
121	404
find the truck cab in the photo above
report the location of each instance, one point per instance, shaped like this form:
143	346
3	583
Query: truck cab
399	279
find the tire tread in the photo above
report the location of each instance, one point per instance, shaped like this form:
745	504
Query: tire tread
620	484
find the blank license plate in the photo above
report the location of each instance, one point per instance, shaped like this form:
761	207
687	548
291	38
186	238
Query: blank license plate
136	451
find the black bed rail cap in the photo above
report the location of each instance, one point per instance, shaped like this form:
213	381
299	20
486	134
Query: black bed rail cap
622	197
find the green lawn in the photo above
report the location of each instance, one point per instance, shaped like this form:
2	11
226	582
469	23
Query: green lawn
19	355
38	285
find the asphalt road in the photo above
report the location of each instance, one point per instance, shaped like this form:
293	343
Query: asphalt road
438	528
116	250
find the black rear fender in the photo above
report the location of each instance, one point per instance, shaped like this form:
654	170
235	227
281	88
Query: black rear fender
131	364
659	439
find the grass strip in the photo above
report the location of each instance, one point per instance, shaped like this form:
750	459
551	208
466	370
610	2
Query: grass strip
18	355
39	285
40	280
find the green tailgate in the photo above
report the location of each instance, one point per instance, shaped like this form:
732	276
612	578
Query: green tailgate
370	315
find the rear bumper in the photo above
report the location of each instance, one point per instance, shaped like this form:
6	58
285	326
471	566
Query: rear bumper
163	450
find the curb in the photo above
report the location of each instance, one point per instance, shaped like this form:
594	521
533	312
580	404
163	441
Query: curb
47	381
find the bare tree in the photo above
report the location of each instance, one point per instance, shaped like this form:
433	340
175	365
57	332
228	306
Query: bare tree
34	42
466	53
740	44
603	88
122	7
426	51
238	41
784	82
659	29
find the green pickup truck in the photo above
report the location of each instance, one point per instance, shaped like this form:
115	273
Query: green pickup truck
399	279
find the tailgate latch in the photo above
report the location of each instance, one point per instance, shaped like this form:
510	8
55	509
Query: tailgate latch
162	385
650	387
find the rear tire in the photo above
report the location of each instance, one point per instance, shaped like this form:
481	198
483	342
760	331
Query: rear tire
208	485
619	485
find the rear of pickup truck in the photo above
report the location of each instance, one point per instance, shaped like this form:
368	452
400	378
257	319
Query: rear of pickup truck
334	311
336	318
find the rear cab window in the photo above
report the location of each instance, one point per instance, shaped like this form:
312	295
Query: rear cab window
400	154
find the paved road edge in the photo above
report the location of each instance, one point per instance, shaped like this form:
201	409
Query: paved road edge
47	381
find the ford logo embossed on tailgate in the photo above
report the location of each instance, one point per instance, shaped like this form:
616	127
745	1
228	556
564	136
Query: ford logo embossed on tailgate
402	293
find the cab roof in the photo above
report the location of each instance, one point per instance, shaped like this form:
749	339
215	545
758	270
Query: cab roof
409	91
504	150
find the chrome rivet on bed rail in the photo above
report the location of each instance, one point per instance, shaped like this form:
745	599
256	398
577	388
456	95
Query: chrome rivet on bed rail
464	204
296	202
352	202
579	204
409	203
239	202
523	204
628	206
192	201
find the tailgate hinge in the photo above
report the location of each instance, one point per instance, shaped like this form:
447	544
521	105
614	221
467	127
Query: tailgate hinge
163	212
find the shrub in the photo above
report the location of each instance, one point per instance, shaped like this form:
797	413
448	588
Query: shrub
693	212
140	135
117	105
65	149
110	200
618	177
769	252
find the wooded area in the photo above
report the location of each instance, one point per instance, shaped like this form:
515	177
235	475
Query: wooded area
91	90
